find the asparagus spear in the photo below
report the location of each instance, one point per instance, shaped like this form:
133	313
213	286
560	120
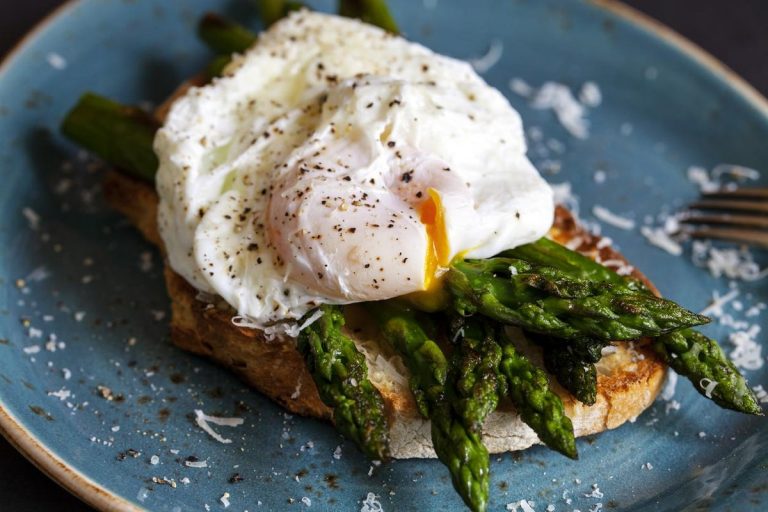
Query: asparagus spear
456	446
516	293
273	10
123	135
679	348
341	376
539	407
224	36
478	354
573	364
119	134
546	252
464	453
701	359
374	12
475	364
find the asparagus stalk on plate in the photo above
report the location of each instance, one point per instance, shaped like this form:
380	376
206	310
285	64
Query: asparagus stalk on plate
458	447
691	354
341	377
119	134
476	358
374	12
574	367
224	36
545	300
483	346
701	359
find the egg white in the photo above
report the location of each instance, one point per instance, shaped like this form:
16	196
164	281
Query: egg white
336	163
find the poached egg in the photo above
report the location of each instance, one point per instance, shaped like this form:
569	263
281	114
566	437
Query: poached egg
336	163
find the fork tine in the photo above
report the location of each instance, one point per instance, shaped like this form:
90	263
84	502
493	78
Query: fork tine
748	192
728	204
756	221
747	236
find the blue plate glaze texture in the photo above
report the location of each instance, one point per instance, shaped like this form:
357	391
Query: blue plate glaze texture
93	310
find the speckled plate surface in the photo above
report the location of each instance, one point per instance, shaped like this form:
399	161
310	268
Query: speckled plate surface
92	310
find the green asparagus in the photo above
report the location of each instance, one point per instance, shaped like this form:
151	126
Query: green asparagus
475	368
223	36
574	367
463	452
546	252
547	301
273	10
539	407
460	449
341	376
689	353
374	12
701	359
121	135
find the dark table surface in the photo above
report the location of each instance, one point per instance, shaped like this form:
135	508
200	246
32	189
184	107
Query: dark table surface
732	30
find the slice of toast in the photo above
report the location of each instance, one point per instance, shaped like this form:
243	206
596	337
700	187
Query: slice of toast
628	382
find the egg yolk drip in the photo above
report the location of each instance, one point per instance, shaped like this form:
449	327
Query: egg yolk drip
437	259
432	215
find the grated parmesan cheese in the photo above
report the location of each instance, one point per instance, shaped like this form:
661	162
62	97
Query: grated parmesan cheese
669	386
596	492
202	420
557	97
33	219
716	307
708	385
761	393
661	239
38	274
569	112
738	172
491	58
747	352
599	176
522	505
61	394
56	61
611	218
521	88
710	181
729	262
590	95
371	504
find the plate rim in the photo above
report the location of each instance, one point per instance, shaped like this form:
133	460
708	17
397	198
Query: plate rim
102	498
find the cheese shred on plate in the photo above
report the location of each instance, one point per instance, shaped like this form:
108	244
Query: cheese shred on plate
203	421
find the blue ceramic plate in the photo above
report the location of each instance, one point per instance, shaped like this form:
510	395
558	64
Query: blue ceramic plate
92	310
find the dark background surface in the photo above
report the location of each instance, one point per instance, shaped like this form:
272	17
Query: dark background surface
734	31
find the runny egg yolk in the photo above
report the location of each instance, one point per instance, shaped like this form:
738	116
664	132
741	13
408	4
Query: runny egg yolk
432	215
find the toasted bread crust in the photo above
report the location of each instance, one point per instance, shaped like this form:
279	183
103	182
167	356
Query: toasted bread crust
627	384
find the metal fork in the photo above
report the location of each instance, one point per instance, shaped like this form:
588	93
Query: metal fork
742	216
